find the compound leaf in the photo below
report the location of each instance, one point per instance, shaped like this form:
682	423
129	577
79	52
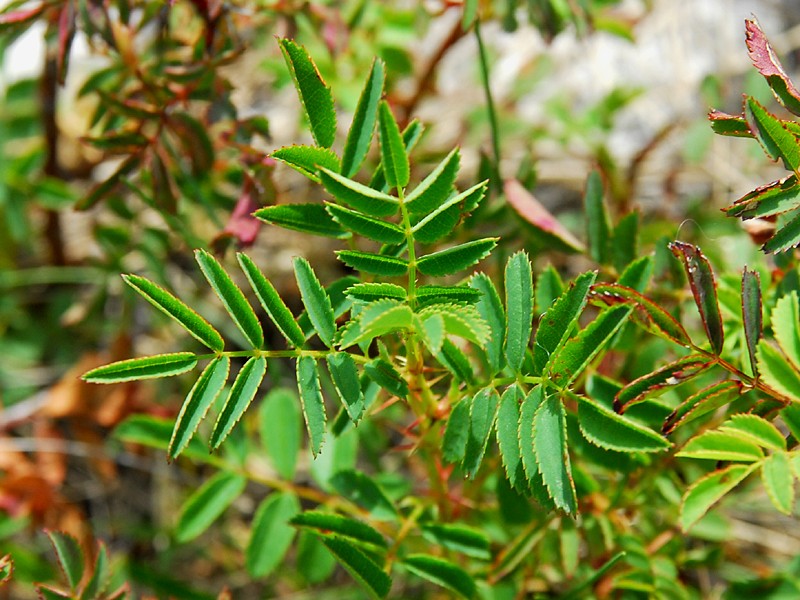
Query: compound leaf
357	195
491	310
701	403
456	433
598	232
751	314
643	387
279	425
766	61
776	372
507	433
721	445
307	159
467	540
756	429
776	139
69	555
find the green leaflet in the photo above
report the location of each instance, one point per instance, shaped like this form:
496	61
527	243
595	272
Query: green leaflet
751	314
436	187
430	327
196	405
232	298
280	429
550	446
483	411
307	159
776	473
785	323
362	568
344	374
99	579
756	429
457	258
606	429
369	292
527	447
721	445
171	306
311	401
778	142
358	195
560	319
625	241
570	360
519	309
725	124
459	320
491	311
314	94
411	135
359	137
442	294
242	393
637	274
776	372
307	218
643	387
377	318
69	555
704	290
384	374
441	572
467	540
506	431
374	264
708	490
155	433
207	503
701	403
547	289
456	433
363	491
439	223
316	301
148	367
597	230
786	237
274	306
369	227
456	362
767	200
394	159
271	535
329	524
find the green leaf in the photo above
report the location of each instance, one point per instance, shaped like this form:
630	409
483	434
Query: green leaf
506	431
328	524
704	290
491	310
358	196
721	445
99	579
560	319
441	572
411	135
671	374
364	492
377	318
280	430
467	540
773	135
456	433
776	372
171	306
791	418
344	374
311	400
786	327
384	374
316	301
393	153
756	429
483	411
701	403
148	367
69	555
314	94
271	534
438	224
708	490
548	288
527	447
369	292
207	503
436	187
456	362
274	306
374	264
359	137
776	473
625	241
519	309
431	330
369	227
570	360
767	200
725	124
597	230
360	566
457	258
242	393
637	274
196	405
459	320
306	218
606	429
154	433
786	237
307	159
751	314
232	298
446	294
550	446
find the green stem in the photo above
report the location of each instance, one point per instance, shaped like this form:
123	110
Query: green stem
493	122
296	353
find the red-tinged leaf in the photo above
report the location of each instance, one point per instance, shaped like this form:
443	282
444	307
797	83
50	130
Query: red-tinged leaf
645	386
703	402
242	225
193	136
767	200
66	33
704	290
725	124
766	61
649	314
163	185
13	17
751	313
532	212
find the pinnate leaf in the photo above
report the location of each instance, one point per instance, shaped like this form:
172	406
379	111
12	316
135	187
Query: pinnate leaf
241	395
597	229
441	572
384	374
363	491
785	238
456	433
732	125
757	430
271	534
362	568
786	327
360	135
171	306
369	292
207	503
446	294
467	540
377	318
148	367
457	258
316	301
357	195
707	491
312	401
519	309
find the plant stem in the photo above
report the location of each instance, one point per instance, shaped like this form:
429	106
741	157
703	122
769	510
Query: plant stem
493	123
